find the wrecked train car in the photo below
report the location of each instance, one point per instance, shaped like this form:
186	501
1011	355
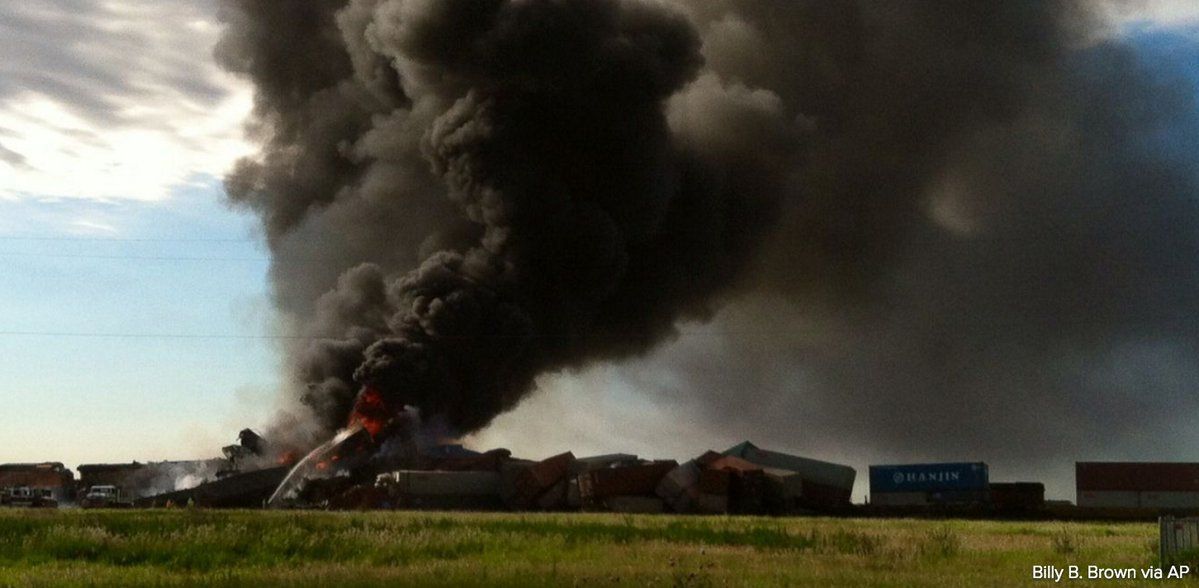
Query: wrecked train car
240	490
138	480
811	483
36	484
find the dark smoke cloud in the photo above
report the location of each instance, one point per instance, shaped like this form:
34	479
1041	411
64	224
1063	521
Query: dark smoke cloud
513	184
937	223
990	252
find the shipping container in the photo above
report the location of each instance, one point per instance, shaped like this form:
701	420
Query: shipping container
637	480
932	477
1170	500
51	479
635	504
143	480
899	498
595	462
451	460
712	503
1018	495
1132	499
244	490
821	495
467	490
750	493
731	463
555	498
789	484
1109	499
422	483
1136	476
937	498
811	470
523	484
679	486
715	481
955	497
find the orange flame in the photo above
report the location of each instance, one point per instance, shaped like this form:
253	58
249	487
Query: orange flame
370	411
288	457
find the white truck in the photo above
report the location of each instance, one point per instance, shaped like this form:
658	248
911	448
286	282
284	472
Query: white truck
105	497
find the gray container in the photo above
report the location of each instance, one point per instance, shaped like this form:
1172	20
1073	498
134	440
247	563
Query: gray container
820	472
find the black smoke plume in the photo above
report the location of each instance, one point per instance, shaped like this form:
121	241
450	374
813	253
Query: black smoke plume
943	217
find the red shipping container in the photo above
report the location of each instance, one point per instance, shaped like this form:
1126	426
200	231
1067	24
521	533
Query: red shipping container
1137	476
639	480
714	482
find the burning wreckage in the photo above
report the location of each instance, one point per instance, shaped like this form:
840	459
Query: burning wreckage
384	460
450	477
230	481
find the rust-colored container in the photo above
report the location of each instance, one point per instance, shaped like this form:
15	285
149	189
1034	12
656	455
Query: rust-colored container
1136	476
638	480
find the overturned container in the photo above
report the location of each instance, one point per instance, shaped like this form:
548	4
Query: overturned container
813	484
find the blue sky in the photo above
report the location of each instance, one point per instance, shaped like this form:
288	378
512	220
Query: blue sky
135	318
115	126
175	295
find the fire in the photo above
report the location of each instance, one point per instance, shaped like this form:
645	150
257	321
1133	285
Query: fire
288	457
371	412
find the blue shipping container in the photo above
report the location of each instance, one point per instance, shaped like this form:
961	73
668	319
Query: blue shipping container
928	477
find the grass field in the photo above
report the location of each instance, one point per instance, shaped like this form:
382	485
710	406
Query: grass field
396	548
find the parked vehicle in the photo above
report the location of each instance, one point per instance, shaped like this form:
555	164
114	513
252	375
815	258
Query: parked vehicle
105	497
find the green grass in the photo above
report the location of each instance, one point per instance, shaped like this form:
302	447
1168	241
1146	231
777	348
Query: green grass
183	547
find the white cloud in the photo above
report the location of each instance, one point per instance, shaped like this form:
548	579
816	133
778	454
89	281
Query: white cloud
1124	17
1157	13
121	99
114	100
87	226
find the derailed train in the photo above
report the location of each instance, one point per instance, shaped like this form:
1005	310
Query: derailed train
742	479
